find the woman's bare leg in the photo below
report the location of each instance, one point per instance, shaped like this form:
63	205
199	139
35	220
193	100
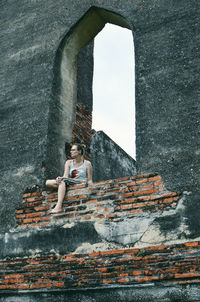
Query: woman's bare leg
51	183
61	194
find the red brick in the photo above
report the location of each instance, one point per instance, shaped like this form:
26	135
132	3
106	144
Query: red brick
40	285
146	279
31	199
146	186
187	275
123	280
90	201
136	211
28	220
112	252
155	178
145	192
122	179
20	216
26	195
19	211
101	216
128	194
58	284
107	281
103	182
32	204
141	181
136	273
131	183
42	208
166	200
41	218
13	281
102	269
193	281
36	193
158	183
77	187
157	248
39	224
112	215
76	197
129	189
192	243
169	194
52	196
71	204
12	276
35	214
10	286
95	254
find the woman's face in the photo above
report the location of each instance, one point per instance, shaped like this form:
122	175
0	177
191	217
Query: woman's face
75	152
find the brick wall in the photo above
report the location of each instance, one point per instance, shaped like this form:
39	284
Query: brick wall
111	200
156	265
82	131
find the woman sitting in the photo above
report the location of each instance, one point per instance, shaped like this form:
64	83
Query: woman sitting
77	169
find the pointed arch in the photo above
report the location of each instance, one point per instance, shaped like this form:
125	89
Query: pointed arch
63	103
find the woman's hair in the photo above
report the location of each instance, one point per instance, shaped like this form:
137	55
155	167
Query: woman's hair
80	147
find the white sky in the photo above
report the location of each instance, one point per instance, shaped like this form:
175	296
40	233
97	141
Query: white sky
113	86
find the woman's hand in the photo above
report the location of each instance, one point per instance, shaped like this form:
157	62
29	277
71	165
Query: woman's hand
58	179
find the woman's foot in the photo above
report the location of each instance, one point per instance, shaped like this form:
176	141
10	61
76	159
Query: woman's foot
56	211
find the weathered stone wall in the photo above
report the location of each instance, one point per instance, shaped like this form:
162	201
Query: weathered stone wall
135	211
40	42
101	245
161	266
109	160
36	117
167	92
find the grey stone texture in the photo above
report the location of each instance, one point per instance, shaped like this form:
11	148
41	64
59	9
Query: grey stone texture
39	44
120	294
60	239
85	76
109	160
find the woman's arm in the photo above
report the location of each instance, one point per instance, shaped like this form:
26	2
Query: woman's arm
66	171
89	172
67	168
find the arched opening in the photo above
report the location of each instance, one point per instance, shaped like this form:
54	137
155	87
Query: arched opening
113	86
63	110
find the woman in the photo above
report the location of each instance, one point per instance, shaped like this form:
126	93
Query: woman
76	168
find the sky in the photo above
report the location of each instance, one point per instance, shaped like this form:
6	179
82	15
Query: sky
113	86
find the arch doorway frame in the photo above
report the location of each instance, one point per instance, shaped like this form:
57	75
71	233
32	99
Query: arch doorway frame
64	89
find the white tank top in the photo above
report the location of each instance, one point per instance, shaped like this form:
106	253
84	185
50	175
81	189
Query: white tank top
79	173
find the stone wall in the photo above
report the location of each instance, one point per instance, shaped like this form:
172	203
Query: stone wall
40	47
126	210
38	95
176	264
102	244
135	211
109	160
